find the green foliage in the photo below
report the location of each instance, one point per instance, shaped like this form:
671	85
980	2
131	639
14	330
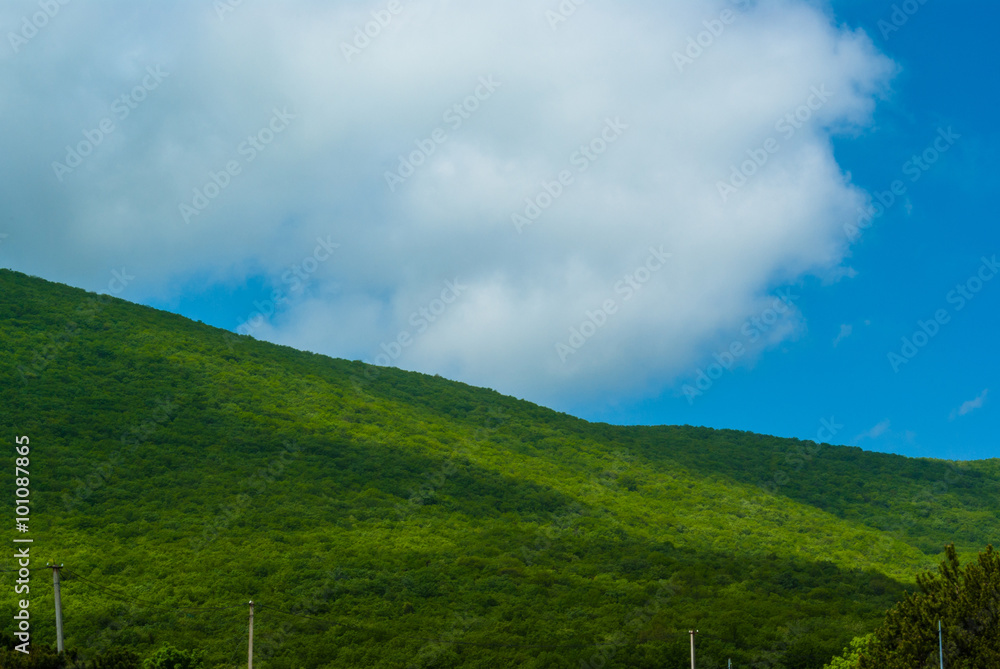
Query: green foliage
169	657
851	655
966	601
116	658
380	518
39	656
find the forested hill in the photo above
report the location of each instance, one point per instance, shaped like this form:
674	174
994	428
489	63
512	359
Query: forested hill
390	519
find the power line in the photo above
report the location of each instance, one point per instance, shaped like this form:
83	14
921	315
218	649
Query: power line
482	644
124	597
379	633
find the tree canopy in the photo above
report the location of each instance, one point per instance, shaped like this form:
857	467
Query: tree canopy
381	518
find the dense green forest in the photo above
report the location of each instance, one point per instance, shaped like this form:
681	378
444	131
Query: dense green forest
381	518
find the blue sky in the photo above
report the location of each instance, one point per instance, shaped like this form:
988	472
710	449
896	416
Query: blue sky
586	209
938	404
907	263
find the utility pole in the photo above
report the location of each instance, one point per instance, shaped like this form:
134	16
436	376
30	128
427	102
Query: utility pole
55	585
692	632
250	649
940	645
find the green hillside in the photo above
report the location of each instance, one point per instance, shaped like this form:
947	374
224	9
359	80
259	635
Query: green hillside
381	518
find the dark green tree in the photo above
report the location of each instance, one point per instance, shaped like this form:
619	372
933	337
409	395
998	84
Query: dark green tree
966	601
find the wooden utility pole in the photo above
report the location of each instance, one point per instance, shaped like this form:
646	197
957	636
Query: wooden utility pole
58	598
692	632
250	649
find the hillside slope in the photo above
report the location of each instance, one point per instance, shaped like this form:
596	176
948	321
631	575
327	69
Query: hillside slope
178	471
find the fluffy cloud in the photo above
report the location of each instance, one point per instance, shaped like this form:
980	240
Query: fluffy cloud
495	104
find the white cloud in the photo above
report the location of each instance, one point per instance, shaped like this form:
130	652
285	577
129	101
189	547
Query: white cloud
877	431
970	406
325	174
